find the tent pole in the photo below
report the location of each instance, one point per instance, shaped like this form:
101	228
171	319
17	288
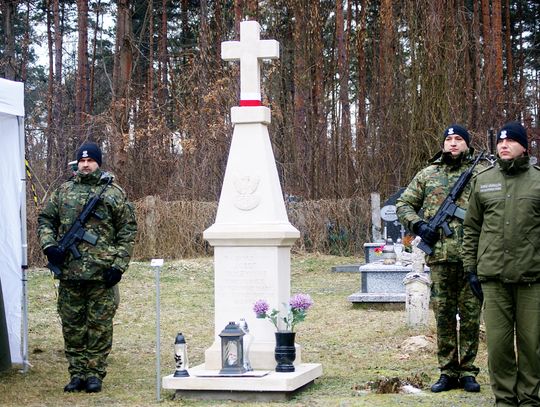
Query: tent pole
24	247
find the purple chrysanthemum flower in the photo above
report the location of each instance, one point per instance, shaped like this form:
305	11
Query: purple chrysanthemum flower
300	302
260	308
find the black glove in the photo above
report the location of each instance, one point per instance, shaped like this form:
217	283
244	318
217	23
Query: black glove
112	276
55	255
428	235
476	287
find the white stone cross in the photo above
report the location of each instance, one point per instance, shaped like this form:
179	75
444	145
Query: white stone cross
250	50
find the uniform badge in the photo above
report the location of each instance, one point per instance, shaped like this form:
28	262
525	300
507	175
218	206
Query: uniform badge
503	134
490	187
450	131
85	154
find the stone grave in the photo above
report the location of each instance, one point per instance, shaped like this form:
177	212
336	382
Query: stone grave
380	282
252	238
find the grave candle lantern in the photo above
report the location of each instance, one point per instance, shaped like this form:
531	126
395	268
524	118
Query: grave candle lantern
180	356
232	350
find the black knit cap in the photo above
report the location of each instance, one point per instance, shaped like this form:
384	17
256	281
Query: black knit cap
514	131
460	131
89	150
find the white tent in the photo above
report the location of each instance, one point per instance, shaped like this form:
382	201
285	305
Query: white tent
13	246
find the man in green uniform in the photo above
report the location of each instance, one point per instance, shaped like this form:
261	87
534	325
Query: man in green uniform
450	293
502	252
86	293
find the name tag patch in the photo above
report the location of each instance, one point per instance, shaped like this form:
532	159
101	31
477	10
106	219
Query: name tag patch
490	187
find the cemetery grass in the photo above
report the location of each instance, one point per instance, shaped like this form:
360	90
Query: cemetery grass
358	345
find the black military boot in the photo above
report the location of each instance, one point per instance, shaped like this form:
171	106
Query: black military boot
93	385
470	384
445	383
75	384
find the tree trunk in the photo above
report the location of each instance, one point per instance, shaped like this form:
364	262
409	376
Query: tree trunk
50	89
163	57
496	27
510	95
361	57
150	67
81	87
238	14
9	8
478	94
253	9
489	62
346	163
301	86
26	44
121	83
97	28
61	144
318	162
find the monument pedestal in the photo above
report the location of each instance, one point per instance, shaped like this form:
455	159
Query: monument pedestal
247	269
252	386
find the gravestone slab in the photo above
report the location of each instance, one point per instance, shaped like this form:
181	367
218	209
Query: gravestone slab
392	227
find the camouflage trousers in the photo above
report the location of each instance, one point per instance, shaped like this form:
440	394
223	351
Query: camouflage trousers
451	295
86	309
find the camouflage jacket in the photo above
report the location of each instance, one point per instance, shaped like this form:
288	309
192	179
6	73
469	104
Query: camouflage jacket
426	192
116	227
502	226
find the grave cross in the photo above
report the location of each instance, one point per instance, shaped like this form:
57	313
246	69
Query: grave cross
250	50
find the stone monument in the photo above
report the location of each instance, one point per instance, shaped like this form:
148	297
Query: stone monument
383	281
251	236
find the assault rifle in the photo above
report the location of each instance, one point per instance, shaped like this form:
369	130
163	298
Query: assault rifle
449	208
77	233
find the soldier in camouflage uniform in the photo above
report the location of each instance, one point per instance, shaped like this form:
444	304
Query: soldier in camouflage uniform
450	292
502	251
86	295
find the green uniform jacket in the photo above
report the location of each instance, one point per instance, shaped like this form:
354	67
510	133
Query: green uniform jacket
502	226
427	191
116	227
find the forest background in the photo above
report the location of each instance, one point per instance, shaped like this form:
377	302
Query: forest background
359	98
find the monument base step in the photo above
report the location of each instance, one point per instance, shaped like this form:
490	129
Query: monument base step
376	297
272	386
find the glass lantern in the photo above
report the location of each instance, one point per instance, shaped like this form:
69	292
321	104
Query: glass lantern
180	356
232	350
